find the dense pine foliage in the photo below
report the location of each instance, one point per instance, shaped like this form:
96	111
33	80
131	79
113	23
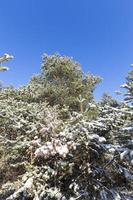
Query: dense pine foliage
58	143
129	87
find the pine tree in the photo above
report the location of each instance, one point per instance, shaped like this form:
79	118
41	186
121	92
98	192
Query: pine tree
45	157
129	87
5	57
2	68
62	82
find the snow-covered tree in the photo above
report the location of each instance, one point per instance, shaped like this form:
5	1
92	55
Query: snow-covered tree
51	152
129	87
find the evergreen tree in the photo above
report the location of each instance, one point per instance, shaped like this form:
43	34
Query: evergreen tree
129	87
5	57
2	68
62	82
108	100
45	157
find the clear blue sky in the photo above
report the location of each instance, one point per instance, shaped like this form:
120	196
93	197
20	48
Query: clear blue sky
96	33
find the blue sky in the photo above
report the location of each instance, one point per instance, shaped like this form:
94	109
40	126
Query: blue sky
96	33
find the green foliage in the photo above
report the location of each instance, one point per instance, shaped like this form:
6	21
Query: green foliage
19	118
129	87
57	143
108	100
3	68
62	82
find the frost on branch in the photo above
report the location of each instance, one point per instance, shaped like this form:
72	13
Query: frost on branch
80	150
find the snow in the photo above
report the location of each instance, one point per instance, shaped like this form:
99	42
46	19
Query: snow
124	154
28	183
